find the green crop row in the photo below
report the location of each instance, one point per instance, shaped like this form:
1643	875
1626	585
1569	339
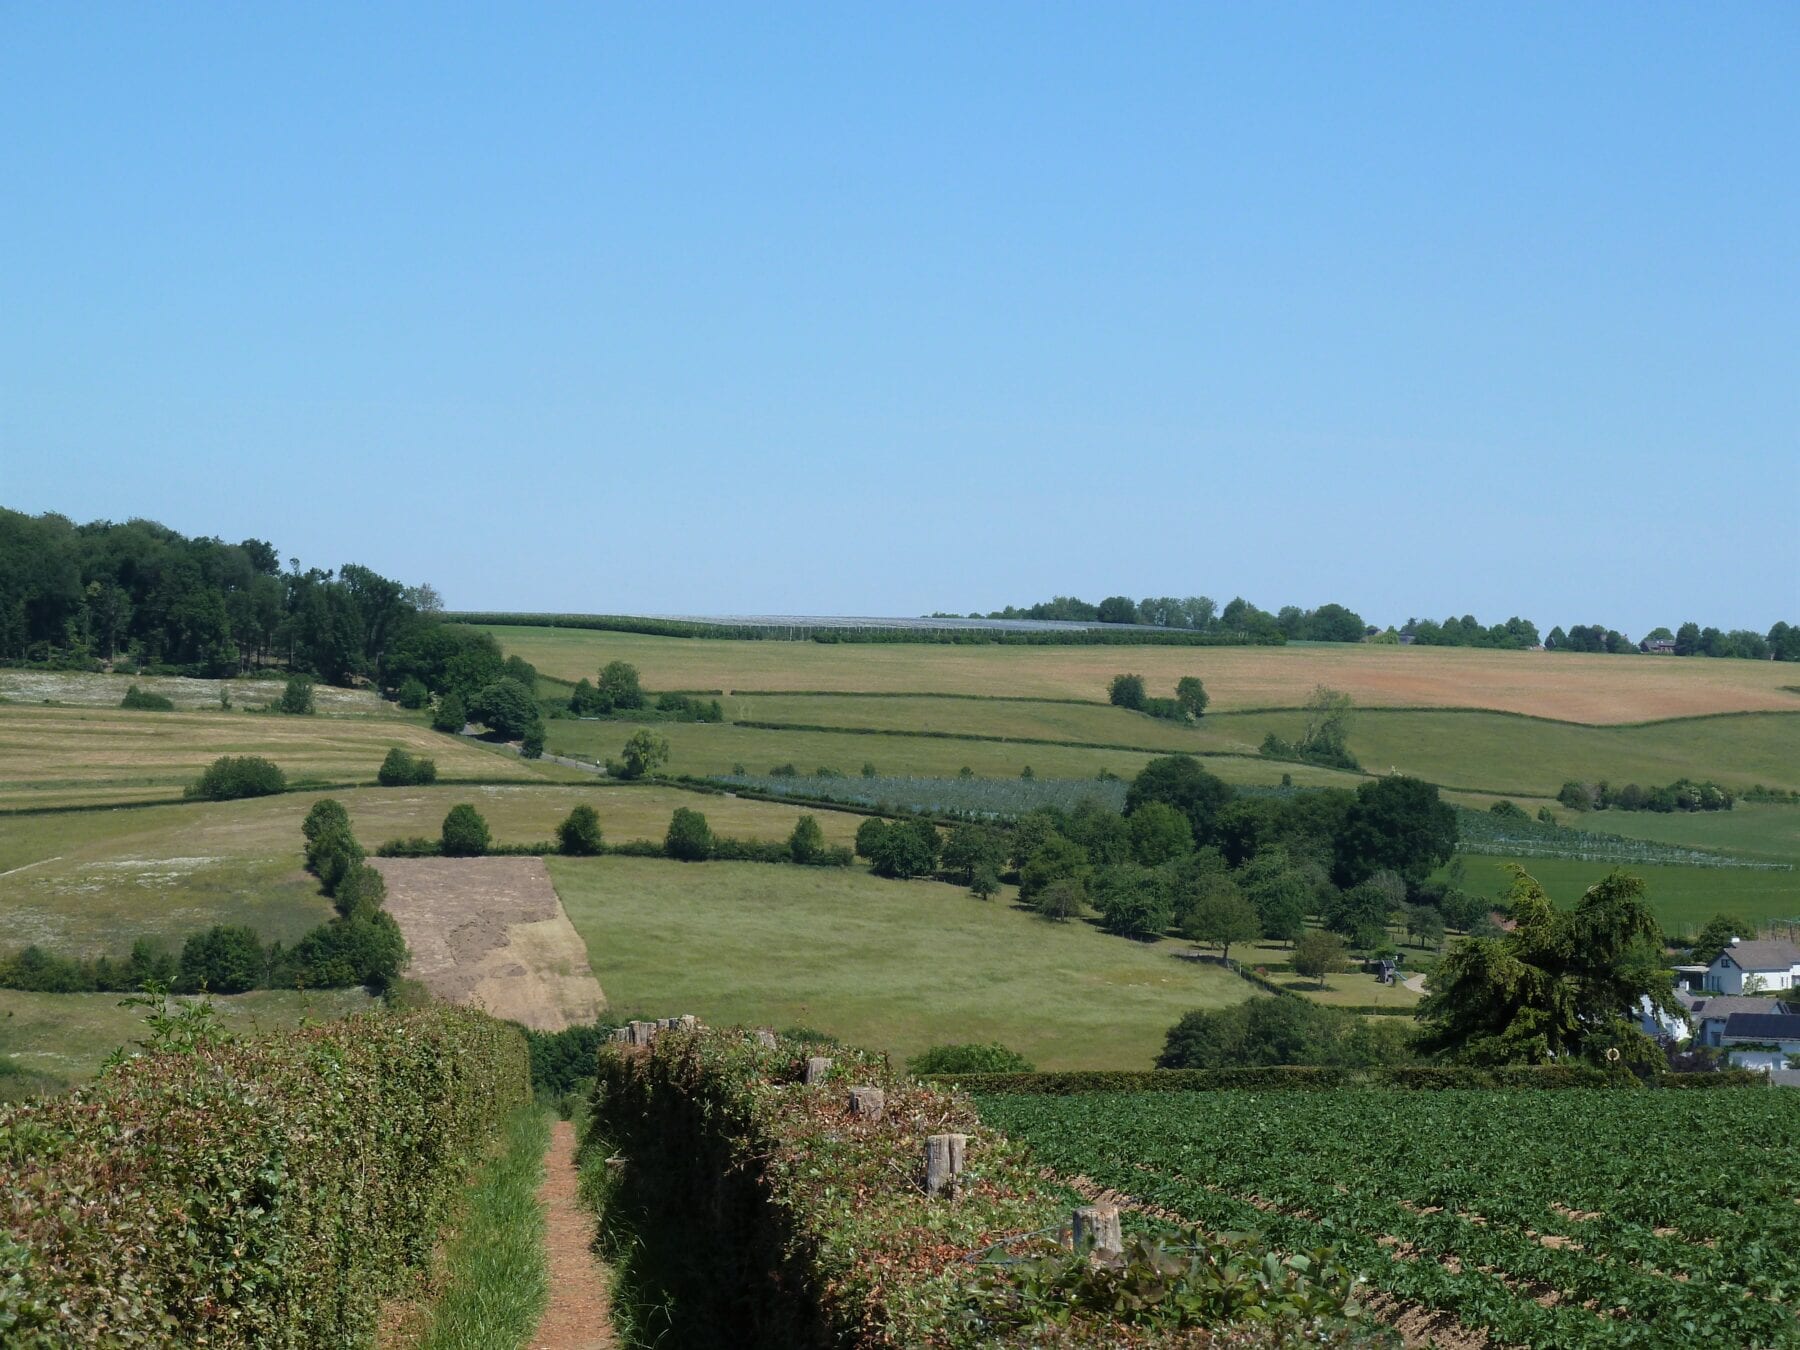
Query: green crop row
1479	1202
267	1192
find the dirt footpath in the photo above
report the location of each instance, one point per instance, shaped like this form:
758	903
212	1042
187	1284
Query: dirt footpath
491	933
577	1317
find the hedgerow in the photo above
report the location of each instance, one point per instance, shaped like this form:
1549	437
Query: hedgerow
255	1193
1310	1078
752	1209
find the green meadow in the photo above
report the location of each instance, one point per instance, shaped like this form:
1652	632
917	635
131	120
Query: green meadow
896	966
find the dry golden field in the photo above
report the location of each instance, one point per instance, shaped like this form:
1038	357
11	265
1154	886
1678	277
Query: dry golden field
1574	687
61	756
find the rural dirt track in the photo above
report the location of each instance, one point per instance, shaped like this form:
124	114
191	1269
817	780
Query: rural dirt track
578	1317
492	933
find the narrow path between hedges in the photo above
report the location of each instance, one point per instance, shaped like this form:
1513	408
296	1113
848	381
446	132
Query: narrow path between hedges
579	1316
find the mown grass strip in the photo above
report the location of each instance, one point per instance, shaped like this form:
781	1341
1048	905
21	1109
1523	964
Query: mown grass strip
496	1285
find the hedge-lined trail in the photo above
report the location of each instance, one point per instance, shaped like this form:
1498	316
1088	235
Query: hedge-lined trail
578	1317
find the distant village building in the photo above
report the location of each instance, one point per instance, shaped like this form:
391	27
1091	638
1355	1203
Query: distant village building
1765	965
1658	646
1765	1041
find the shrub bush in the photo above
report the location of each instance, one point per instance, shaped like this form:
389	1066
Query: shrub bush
689	838
331	856
275	1191
451	716
361	888
297	697
412	693
579	834
325	815
993	1058
400	769
807	841
230	777
222	960
144	701
465	833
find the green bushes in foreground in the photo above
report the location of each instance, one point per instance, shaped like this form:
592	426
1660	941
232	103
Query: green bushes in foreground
144	701
274	1193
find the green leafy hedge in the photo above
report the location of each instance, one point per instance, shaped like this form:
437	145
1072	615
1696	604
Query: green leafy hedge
751	1209
258	1193
1302	1078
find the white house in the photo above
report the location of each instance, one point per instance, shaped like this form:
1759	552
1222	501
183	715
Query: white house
1765	1041
1667	1026
1767	965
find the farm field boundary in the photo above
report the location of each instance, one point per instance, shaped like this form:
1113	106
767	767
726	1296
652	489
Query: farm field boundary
1303	1078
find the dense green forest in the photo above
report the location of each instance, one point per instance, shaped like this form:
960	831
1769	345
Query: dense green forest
139	595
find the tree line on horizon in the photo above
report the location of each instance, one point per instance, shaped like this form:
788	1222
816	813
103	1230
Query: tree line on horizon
1338	623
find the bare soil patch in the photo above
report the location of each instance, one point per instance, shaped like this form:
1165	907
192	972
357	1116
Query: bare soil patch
491	933
579	1316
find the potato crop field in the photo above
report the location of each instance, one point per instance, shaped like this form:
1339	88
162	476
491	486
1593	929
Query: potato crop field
1565	1218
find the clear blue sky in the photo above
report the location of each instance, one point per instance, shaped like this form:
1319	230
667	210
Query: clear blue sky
1425	309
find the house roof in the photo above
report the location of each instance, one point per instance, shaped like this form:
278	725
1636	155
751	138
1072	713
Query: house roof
1764	954
1763	1027
1716	1006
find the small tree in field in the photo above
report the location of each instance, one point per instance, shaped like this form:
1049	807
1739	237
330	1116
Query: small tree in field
1319	954
642	755
1191	695
1126	691
985	884
807	842
327	814
465	833
579	834
1062	900
297	696
689	838
1221	916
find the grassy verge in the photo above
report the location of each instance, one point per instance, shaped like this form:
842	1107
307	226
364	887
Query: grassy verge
495	1284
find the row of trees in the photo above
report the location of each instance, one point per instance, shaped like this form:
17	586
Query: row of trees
1780	643
142	594
1336	623
1189	703
1200	614
1682	795
1515	634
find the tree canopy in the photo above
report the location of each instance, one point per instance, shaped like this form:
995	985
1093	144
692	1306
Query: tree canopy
1562	984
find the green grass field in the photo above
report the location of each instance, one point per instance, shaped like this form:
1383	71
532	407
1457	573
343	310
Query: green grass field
92	883
69	1036
706	749
896	966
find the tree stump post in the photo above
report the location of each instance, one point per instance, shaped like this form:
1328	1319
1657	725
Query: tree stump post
765	1039
816	1069
944	1157
1096	1228
689	1022
867	1103
642	1033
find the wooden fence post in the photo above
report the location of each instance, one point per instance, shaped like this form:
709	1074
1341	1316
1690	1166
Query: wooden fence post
1097	1227
765	1039
867	1103
944	1157
816	1069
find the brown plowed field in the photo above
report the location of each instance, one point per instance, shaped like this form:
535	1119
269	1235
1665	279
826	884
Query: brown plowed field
491	933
